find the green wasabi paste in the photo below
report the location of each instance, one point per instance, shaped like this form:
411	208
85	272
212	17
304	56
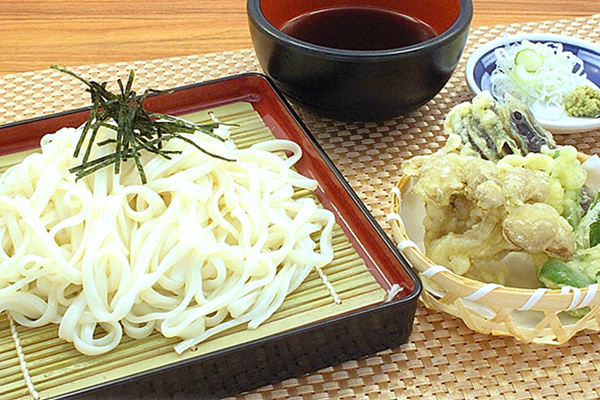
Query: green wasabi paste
584	101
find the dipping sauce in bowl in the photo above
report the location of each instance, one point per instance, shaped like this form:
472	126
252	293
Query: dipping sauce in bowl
358	28
359	60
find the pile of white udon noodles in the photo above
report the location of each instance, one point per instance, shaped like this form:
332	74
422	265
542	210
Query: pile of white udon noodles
204	246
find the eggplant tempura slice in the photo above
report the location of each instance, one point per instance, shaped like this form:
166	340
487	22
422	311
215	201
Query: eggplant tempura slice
524	127
492	130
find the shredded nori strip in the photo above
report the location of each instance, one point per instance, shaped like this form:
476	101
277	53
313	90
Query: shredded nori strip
136	128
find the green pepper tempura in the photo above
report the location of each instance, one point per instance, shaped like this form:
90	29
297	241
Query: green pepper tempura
583	267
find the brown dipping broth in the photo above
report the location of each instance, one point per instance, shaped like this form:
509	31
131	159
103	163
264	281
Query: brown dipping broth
358	28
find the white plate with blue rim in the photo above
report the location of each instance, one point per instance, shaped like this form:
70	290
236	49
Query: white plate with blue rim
483	61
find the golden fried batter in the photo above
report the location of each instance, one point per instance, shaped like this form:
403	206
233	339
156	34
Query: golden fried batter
478	211
539	228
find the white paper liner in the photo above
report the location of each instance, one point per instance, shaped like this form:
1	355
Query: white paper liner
592	167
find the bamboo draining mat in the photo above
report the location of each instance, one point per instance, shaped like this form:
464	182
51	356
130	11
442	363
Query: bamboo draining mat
50	366
443	358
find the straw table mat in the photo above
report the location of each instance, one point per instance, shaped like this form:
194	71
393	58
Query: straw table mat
443	358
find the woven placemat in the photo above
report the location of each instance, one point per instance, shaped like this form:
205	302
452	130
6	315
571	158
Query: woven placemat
443	358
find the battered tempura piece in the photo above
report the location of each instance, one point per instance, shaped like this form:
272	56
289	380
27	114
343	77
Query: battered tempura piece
478	211
492	130
538	228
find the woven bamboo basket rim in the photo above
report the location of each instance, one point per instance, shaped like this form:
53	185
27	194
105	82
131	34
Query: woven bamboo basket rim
488	294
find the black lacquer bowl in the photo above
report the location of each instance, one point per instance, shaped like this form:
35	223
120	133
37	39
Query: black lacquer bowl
360	85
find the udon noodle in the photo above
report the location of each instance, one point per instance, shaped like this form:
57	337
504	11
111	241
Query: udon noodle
204	246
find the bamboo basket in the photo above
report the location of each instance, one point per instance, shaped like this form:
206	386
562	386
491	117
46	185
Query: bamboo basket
529	315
